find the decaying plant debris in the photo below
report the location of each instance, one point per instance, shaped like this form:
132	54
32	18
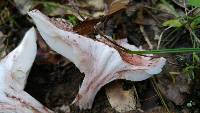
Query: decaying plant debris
120	100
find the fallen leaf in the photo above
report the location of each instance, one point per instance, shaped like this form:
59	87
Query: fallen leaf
14	70
157	109
99	62
173	23
121	100
90	7
176	88
114	6
86	27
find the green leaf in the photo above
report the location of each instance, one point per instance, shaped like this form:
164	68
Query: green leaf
196	57
73	20
195	3
195	22
173	23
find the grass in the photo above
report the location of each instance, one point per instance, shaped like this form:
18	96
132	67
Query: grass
188	24
164	51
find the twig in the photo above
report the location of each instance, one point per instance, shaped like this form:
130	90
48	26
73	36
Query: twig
113	42
153	16
138	104
196	38
146	37
160	37
173	38
156	9
159	94
76	9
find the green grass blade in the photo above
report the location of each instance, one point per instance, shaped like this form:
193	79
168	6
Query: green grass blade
163	51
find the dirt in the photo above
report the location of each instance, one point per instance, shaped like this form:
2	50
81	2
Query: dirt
55	86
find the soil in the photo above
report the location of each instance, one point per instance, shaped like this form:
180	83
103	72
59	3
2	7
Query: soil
55	86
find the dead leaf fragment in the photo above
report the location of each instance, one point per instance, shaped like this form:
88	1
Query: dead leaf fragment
114	6
121	100
157	109
176	89
86	27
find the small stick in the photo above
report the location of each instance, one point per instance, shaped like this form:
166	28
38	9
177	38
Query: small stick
146	37
76	9
160	37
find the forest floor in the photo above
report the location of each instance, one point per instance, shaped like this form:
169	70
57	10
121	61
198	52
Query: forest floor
151	24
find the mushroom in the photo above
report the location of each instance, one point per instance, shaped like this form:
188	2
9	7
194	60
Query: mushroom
14	70
100	62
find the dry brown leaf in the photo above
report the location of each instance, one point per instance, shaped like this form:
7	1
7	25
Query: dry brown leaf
86	27
120	100
114	6
174	90
156	110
